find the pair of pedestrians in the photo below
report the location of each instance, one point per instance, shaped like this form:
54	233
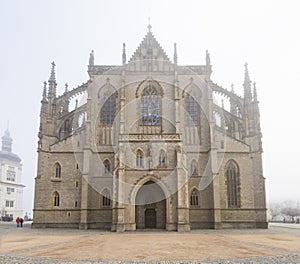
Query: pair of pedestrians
19	221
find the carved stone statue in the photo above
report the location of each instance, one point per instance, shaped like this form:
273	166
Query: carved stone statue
91	61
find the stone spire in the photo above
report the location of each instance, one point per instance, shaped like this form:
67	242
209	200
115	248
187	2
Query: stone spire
52	78
124	55
175	53
247	84
52	82
7	141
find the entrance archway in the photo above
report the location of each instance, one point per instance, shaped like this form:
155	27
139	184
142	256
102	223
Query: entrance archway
150	207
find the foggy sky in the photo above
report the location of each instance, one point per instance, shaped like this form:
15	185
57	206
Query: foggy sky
263	33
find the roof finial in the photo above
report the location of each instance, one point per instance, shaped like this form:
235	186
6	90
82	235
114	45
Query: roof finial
124	54
52	75
175	53
149	25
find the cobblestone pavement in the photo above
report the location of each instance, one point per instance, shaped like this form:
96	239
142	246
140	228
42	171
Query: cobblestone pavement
45	246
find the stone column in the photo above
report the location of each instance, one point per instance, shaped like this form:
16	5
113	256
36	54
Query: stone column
183	221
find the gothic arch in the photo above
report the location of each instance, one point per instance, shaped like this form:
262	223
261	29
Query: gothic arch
107	166
194	197
144	180
232	183
149	83
57	169
55	199
105	200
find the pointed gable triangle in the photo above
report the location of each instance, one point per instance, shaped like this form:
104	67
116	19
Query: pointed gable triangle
149	49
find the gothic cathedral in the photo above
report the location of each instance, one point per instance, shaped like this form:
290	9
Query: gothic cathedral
149	144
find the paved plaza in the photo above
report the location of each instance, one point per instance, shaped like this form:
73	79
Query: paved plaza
279	244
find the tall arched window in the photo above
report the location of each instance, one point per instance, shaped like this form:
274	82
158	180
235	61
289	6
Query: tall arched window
232	184
194	198
56	199
150	107
108	109
162	159
105	198
139	159
192	110
194	168
57	170
106	167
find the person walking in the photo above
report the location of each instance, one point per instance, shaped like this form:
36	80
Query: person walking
18	221
21	221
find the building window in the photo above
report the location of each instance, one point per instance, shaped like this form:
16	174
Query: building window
76	184
57	170
76	204
150	107
11	174
139	159
106	198
162	159
10	190
108	109
194	199
194	168
192	110
9	203
232	184
106	167
56	199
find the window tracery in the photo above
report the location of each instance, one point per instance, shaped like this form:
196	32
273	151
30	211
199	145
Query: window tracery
150	107
232	185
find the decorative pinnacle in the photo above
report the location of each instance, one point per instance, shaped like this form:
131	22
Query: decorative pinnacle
232	89
66	87
254	92
124	54
52	75
45	91
175	53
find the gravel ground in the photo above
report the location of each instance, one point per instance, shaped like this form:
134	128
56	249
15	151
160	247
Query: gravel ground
288	258
45	246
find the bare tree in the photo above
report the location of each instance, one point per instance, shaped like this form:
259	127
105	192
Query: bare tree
274	210
291	209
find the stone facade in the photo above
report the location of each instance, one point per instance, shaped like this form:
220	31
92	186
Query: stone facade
148	146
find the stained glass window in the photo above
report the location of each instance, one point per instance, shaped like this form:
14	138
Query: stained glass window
192	110
232	191
150	107
108	110
194	200
106	198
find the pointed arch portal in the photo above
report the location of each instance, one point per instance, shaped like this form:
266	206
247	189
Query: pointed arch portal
150	206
